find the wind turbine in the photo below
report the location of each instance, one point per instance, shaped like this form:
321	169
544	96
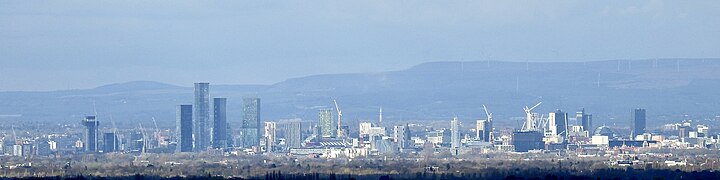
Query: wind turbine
530	124
339	112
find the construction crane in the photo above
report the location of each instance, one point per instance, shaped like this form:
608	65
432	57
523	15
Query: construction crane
487	113
157	131
144	139
14	135
115	135
339	112
530	124
488	126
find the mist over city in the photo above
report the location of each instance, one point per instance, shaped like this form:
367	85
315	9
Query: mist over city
359	90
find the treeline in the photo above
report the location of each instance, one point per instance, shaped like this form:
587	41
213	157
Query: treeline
508	174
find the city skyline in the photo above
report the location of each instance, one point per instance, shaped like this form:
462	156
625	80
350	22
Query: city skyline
421	90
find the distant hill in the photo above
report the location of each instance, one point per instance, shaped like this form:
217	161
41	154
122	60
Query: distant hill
668	88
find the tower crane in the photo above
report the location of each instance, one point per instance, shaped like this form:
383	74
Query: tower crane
14	135
144	138
115	135
339	112
530	124
157	131
489	126
487	113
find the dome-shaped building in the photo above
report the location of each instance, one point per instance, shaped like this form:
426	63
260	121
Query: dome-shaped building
604	131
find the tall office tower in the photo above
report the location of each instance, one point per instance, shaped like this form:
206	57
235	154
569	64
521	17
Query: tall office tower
455	136
42	147
110	142
184	123
483	129
558	123
201	117
219	131
270	135
91	133
229	135
525	141
638	122
327	128
585	120
250	125
293	134
401	135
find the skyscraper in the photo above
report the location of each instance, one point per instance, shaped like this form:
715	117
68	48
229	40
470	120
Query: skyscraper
585	120
455	130
558	123
184	123
270	135
219	131
483	129
91	133
327	129
401	136
293	134
110	142
201	116
250	124
638	122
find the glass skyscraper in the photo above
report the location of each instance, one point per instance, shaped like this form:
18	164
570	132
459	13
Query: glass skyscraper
184	128
585	120
293	134
559	123
250	124
110	141
638	122
91	133
201	116
219	132
327	127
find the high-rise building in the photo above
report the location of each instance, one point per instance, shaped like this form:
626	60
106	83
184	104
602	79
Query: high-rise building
270	135
455	136
250	124
524	141
110	142
638	122
327	128
293	134
219	131
184	123
18	150
558	123
91	133
42	147
201	117
401	136
135	141
483	129
585	120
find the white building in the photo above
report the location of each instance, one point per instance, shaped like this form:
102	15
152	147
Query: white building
269	135
455	133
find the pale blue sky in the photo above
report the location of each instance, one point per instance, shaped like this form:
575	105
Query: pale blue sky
47	45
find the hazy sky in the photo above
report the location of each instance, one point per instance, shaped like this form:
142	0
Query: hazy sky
47	45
